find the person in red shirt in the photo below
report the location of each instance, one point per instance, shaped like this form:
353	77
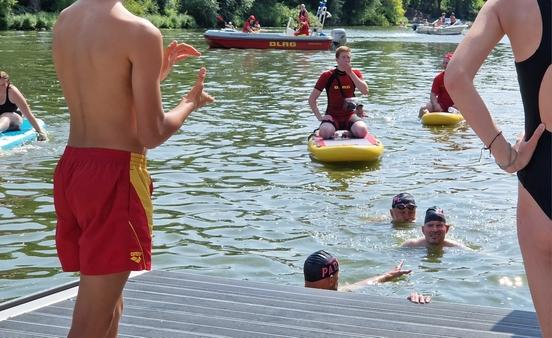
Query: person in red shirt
249	25
303	27
340	84
439	99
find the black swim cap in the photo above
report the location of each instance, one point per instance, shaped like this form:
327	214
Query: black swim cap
434	214
320	265
403	198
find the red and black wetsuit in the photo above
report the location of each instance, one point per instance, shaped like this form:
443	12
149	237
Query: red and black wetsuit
338	86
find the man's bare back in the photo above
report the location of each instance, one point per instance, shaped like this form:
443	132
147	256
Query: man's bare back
110	63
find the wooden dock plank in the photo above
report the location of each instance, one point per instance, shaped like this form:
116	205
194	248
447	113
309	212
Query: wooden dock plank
174	304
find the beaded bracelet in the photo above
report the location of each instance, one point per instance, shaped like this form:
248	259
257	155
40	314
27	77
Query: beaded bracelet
490	144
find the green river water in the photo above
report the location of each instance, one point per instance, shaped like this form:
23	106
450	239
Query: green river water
237	196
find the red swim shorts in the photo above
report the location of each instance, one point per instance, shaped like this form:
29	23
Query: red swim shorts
103	206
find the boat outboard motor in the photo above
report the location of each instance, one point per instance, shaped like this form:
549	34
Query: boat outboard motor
339	37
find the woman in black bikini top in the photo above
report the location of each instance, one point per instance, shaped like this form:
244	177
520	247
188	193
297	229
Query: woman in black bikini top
10	117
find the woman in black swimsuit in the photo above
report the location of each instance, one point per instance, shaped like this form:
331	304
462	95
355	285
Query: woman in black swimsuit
10	100
528	25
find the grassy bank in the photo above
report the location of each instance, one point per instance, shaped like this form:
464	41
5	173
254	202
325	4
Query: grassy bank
45	21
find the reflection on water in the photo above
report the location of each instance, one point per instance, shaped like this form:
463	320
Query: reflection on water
238	196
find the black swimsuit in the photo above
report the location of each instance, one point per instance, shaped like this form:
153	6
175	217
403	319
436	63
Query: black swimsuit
536	177
8	106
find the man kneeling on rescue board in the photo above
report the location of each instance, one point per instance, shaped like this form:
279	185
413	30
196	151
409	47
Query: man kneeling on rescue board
340	84
439	98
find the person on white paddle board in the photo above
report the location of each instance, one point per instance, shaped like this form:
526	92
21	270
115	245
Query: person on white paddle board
14	108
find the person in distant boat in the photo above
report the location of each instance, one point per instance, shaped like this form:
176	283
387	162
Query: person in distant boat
435	230
303	12
452	18
14	108
257	26
102	189
439	98
249	25
440	21
321	271
403	208
303	27
531	154
340	85
220	23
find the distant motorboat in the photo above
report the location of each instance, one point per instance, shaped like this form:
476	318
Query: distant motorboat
455	29
229	38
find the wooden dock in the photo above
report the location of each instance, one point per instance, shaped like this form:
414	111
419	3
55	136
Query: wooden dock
162	304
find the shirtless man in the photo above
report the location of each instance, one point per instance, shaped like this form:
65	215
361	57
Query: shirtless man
531	156
110	64
435	230
403	208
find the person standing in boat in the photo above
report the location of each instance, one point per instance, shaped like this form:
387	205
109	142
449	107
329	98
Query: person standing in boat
439	98
452	18
303	13
102	189
11	117
340	84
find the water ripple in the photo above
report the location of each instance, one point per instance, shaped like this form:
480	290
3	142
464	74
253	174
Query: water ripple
236	194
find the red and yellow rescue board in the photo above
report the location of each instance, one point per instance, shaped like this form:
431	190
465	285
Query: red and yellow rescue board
441	119
365	149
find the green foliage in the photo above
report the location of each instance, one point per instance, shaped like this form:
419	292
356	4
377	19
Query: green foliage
24	22
464	9
203	11
6	7
171	7
192	13
273	14
45	21
172	21
235	10
375	15
393	11
141	7
335	7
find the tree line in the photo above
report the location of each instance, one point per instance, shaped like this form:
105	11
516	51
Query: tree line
41	14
